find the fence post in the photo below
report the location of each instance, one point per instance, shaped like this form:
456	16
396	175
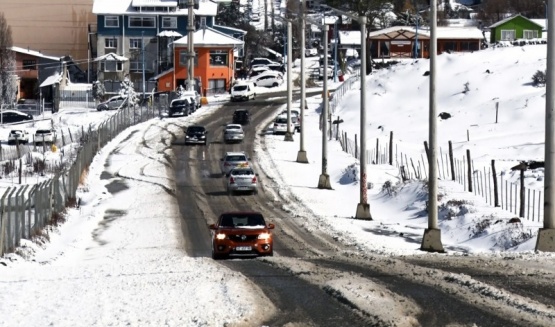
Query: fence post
495	191
391	148
377	151
427	150
522	194
469	161
3	221
451	161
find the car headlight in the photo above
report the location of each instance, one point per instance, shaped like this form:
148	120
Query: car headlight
203	136
220	236
264	236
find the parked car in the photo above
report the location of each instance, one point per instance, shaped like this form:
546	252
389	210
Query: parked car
20	135
312	52
280	124
282	68
14	116
233	160
195	96
241	234
243	91
241	116
113	103
233	133
268	79
294	113
196	134
44	136
258	70
183	106
261	61
242	180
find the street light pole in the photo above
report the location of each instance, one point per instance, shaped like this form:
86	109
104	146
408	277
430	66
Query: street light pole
546	235
431	241
363	208
289	133
301	155
324	180
143	59
190	46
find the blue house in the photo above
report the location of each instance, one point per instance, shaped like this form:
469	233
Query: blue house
143	31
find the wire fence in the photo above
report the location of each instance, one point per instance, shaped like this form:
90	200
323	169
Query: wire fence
497	189
25	210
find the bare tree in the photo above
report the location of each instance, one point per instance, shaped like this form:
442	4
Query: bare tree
7	64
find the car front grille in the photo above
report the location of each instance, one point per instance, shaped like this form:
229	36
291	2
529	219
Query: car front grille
243	238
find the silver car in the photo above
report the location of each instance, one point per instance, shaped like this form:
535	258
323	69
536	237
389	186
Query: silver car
242	180
233	133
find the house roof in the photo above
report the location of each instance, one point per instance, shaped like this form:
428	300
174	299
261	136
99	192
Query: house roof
127	7
503	21
409	32
52	79
33	53
209	37
540	22
349	37
111	56
238	30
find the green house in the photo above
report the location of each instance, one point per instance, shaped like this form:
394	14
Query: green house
513	28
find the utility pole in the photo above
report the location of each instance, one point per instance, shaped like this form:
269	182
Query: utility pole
289	133
301	155
336	33
546	235
363	208
190	46
143	60
431	241
324	180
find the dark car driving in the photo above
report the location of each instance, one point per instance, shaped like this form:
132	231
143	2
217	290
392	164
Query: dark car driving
241	116
196	135
183	106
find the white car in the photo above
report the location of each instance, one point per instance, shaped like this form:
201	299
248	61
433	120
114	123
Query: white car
268	79
233	133
297	121
233	160
16	135
243	91
44	136
280	124
194	95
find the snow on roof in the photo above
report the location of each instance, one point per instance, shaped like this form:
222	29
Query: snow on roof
101	7
33	53
154	3
349	37
169	34
442	32
209	37
540	22
111	56
230	28
52	79
503	21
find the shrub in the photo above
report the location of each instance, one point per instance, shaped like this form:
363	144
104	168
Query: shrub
539	78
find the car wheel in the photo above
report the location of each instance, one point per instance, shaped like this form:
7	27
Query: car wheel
216	256
275	84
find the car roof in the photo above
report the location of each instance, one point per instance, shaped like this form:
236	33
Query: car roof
14	111
234	125
241	110
241	213
195	126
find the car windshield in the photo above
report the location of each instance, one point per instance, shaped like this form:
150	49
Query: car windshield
281	120
43	131
233	127
242	221
239	88
195	129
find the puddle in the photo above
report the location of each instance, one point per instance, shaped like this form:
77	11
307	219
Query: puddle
106	175
116	186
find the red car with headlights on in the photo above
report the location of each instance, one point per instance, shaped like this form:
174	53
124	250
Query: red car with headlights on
241	234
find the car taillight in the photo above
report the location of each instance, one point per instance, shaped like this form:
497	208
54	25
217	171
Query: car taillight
254	179
231	180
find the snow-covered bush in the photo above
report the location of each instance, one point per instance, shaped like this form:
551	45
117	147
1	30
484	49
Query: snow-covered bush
539	78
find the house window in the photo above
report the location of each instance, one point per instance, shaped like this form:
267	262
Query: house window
111	66
147	22
469	46
135	66
530	34
508	35
111	21
30	64
203	22
169	22
135	43
111	43
183	56
216	86
218	57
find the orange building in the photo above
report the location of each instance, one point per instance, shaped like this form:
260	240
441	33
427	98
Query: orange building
214	62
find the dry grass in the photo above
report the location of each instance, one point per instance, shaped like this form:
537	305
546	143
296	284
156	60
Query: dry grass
83	176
